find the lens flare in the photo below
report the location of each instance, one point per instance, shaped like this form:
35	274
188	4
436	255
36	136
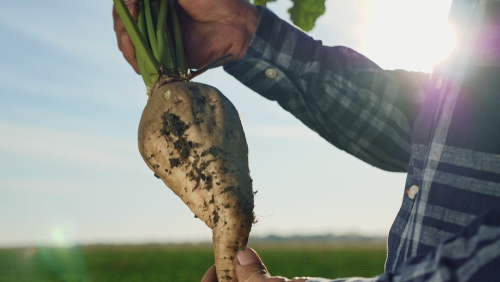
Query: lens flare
409	35
62	236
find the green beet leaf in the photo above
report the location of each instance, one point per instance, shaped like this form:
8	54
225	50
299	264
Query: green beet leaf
262	2
305	12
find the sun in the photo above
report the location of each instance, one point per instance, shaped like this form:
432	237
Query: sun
411	35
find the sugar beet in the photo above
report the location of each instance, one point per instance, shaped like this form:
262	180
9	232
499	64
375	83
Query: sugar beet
191	136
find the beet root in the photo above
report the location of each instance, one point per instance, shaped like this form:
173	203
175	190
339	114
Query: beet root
191	136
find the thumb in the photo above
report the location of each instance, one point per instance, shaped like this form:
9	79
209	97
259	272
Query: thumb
249	267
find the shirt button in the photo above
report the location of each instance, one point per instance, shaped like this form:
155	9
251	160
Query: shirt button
271	73
439	82
412	192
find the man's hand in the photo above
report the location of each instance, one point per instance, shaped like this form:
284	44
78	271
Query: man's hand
124	43
249	268
210	30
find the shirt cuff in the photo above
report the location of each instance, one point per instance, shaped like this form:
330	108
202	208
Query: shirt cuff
275	58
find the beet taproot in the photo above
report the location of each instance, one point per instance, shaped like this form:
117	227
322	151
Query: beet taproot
191	137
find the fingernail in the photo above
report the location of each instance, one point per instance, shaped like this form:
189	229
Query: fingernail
124	38
129	7
246	256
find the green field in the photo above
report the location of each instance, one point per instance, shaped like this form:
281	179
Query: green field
181	263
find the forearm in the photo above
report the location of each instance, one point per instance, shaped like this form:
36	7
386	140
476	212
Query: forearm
340	94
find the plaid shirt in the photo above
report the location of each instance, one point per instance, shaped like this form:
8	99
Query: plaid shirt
443	130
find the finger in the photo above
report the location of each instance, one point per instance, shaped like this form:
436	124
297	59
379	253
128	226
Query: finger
249	267
300	279
210	275
117	22
128	51
117	26
124	43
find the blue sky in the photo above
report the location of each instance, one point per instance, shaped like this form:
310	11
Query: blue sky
70	171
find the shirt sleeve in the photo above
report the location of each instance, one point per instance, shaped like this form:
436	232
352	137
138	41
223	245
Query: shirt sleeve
471	255
343	96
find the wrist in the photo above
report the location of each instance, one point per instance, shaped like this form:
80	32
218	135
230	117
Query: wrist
247	22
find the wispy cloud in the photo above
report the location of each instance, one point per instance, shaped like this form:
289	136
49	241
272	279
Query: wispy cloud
71	147
79	36
112	91
85	64
39	185
23	83
281	132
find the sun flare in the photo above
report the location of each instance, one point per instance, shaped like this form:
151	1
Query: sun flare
411	35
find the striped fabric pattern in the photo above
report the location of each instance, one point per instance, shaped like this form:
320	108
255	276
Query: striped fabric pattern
443	130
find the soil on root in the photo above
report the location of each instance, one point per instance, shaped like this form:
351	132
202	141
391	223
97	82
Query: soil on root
173	124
